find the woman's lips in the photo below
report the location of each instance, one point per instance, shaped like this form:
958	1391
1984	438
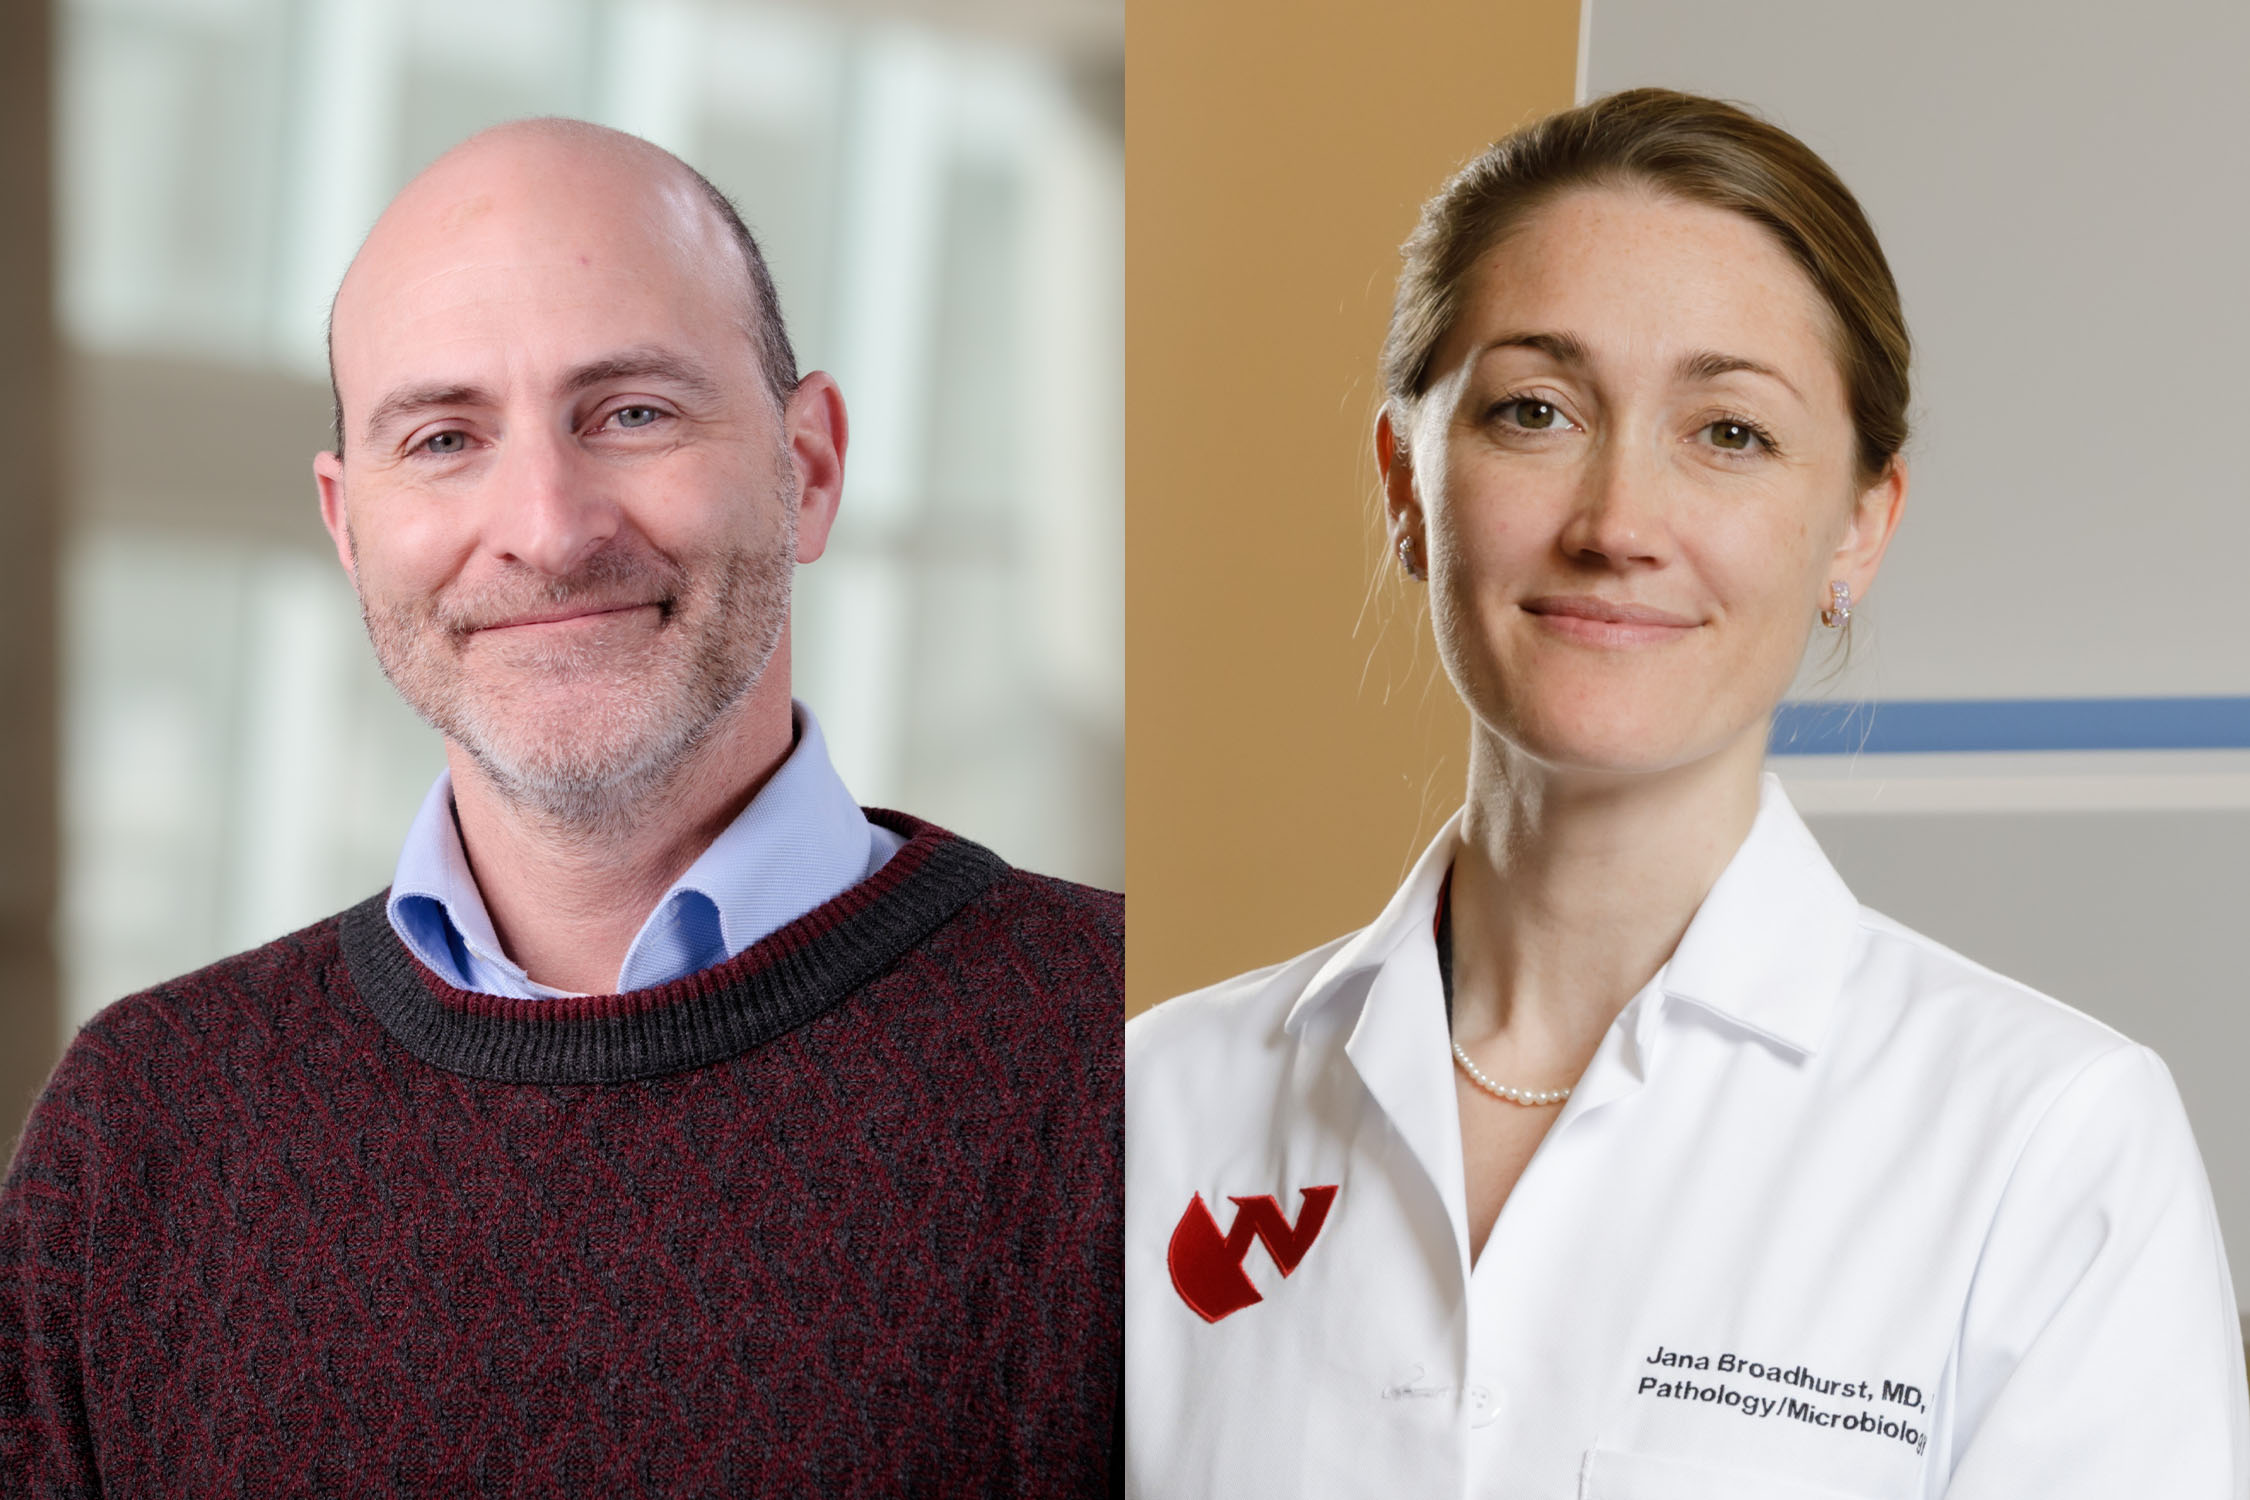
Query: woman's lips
1607	622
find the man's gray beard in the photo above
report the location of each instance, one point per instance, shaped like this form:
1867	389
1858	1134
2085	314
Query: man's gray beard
590	778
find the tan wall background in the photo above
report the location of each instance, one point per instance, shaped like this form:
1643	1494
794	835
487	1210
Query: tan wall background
1293	744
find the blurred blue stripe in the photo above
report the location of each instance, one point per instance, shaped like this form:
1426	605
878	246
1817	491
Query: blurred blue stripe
1910	727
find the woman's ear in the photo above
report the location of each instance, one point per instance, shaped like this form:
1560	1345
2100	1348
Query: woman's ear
1875	516
1394	461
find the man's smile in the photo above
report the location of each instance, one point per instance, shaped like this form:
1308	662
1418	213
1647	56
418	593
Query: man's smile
568	618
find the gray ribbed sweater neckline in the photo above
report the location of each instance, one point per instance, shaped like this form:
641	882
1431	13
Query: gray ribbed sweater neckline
774	986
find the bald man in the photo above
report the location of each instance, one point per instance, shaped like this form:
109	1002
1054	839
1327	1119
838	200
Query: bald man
670	1125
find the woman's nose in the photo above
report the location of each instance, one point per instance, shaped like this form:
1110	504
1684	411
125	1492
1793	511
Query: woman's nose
1617	516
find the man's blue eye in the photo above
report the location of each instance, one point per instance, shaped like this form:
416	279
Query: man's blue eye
635	416
447	442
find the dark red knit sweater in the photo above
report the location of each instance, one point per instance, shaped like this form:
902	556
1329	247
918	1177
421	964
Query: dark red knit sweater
840	1216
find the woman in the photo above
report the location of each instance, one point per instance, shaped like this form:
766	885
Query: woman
1625	1154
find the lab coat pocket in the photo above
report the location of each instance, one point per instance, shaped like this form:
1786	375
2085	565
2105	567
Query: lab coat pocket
1610	1474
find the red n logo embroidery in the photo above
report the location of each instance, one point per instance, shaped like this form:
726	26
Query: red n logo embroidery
1207	1266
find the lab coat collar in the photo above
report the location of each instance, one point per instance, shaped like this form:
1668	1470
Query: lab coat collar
1771	944
1767	950
1410	912
1398	1042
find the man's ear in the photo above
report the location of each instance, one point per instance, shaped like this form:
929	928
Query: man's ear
817	430
328	478
1875	517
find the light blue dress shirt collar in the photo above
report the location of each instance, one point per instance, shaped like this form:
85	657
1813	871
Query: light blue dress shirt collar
801	841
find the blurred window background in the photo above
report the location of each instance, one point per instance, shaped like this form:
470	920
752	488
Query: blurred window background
939	188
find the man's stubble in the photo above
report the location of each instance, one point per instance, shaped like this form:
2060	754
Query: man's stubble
586	766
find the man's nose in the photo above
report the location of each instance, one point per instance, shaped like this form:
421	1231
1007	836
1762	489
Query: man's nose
1617	517
548	506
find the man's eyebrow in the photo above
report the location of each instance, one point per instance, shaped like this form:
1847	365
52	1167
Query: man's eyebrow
409	400
645	364
633	364
1710	364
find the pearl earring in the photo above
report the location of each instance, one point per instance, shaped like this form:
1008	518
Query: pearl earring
1839	610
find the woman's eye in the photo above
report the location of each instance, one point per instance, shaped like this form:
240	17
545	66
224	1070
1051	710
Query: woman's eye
1736	437
1533	416
635	416
446	443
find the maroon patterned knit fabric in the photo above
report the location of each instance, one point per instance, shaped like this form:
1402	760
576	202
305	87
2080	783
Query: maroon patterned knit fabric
839	1217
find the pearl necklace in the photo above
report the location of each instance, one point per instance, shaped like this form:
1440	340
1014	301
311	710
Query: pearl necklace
1528	1098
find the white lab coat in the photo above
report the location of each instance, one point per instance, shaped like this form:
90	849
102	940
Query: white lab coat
1833	1212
